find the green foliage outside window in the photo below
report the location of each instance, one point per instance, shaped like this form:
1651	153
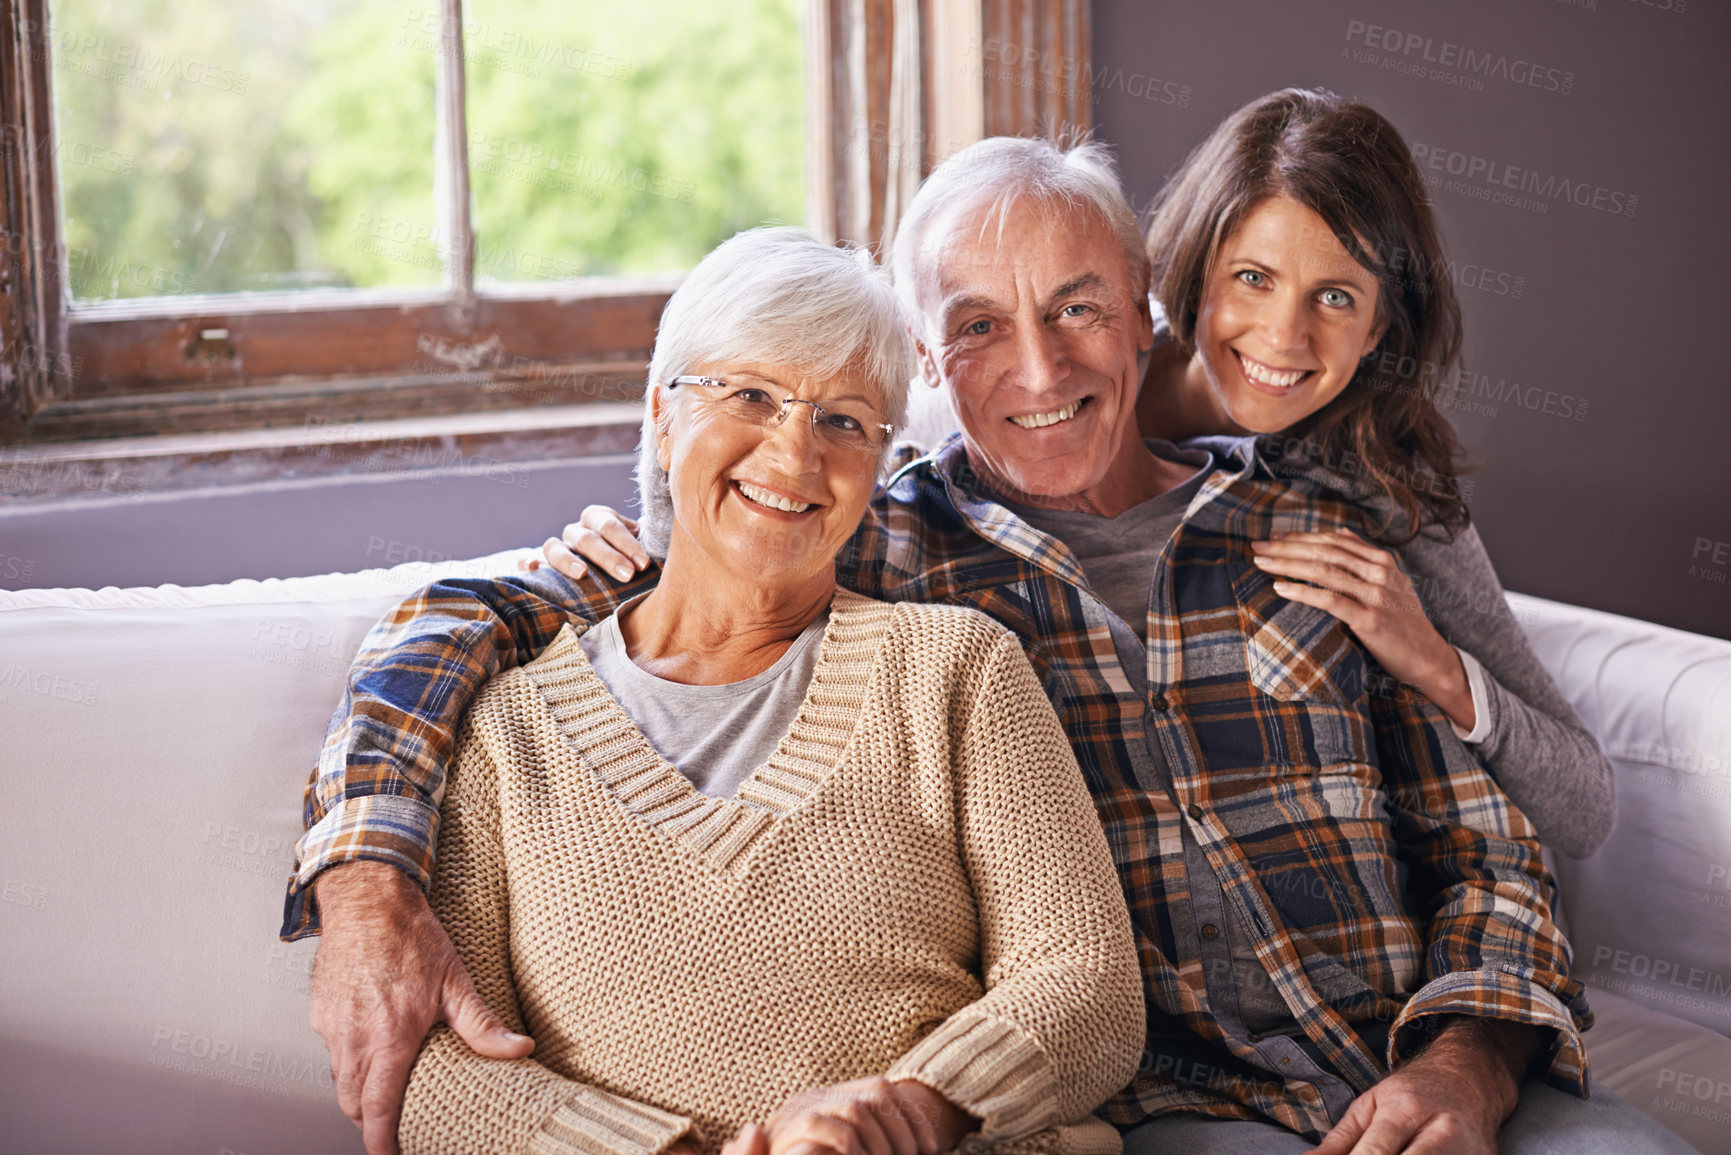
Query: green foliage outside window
213	146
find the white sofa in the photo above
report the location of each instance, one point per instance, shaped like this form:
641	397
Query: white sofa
153	748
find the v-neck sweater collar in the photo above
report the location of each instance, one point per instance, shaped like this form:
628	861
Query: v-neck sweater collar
718	830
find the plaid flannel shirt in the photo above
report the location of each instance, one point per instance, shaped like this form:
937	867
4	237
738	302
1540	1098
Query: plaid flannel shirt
1259	759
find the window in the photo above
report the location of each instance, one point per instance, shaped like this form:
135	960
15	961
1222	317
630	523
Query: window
211	147
289	212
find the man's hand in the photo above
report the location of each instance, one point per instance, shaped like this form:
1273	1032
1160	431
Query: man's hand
385	973
863	1117
601	536
1449	1099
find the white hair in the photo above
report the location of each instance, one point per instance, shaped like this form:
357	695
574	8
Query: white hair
1006	169
773	296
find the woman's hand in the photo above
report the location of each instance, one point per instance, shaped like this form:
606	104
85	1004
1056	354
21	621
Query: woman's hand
863	1117
1364	587
602	536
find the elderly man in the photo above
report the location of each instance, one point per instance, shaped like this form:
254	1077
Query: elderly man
1343	924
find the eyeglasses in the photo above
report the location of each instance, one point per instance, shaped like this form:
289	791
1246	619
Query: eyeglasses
849	426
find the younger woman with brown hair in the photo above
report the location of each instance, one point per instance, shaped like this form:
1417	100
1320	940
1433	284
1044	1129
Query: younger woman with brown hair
1307	298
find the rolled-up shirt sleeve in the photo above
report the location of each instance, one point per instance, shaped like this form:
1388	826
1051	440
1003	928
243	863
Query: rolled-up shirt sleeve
1493	949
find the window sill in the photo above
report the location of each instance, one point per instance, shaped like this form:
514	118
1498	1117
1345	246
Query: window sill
477	444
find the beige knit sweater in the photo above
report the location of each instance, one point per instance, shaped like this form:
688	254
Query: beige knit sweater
915	884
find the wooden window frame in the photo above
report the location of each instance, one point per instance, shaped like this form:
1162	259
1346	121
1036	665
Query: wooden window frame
892	85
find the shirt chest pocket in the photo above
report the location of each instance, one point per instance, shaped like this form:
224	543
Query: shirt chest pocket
1309	674
1292	652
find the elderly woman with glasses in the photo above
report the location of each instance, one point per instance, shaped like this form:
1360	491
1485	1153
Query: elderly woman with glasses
756	861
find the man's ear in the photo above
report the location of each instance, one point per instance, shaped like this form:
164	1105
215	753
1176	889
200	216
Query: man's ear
928	364
658	409
1144	325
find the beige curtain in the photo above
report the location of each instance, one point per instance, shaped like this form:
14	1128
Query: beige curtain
898	85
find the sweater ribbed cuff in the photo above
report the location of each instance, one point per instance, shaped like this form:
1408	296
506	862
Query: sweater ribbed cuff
990	1069
596	1123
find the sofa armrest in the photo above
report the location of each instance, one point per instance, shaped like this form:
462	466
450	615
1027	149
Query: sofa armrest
1650	914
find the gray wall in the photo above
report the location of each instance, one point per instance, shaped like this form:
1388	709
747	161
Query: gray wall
1624	507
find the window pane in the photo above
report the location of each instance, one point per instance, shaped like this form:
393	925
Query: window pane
214	146
610	138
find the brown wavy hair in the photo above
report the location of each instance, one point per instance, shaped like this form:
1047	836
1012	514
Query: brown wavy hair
1345	162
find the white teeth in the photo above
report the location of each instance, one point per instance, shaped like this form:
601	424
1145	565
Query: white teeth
1039	420
773	500
1264	375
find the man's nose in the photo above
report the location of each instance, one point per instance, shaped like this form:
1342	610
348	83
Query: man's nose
1043	360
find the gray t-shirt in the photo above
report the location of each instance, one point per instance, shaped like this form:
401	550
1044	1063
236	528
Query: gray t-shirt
715	735
1117	554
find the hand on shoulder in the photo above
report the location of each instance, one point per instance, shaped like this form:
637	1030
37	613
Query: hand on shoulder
602	537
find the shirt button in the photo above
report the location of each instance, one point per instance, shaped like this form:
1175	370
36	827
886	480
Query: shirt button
1158	701
1210	931
1195	812
1254	1037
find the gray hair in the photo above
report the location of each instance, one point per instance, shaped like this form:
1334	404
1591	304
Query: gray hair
775	296
1082	178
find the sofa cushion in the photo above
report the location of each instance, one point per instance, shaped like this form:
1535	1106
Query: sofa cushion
1676	1071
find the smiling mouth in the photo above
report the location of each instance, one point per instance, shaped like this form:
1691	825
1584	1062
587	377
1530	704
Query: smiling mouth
1054	417
759	496
1267	376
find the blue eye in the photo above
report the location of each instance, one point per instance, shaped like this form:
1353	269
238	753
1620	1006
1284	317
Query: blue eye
978	329
1336	298
1252	277
1076	310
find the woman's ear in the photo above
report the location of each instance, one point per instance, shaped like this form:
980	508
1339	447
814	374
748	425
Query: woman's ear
1378	329
661	412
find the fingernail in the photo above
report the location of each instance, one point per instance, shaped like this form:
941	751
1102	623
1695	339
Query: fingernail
514	1037
1258	546
622	572
1284	589
1261	560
